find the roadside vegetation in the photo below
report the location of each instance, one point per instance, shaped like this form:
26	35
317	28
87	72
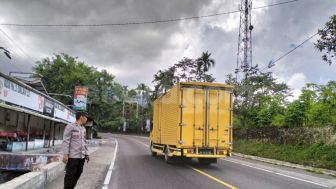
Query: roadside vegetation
316	155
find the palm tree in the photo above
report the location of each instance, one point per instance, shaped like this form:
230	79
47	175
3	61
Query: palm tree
204	63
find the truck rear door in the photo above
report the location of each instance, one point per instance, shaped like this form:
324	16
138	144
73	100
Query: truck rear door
218	117
205	117
192	117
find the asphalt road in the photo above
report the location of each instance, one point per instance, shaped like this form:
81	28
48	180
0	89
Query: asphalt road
135	168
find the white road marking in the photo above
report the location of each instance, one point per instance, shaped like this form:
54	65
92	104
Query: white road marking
284	175
109	172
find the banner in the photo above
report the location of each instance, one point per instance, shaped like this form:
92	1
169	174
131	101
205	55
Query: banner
16	94
62	112
80	98
48	108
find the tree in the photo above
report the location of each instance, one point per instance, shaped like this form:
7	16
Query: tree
327	41
258	97
296	113
164	80
184	71
203	64
61	73
315	107
323	111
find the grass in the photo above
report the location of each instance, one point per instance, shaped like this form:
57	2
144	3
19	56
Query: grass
317	155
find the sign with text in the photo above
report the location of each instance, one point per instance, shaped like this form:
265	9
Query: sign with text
48	108
80	98
19	95
63	113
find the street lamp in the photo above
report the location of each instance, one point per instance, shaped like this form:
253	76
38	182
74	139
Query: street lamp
6	52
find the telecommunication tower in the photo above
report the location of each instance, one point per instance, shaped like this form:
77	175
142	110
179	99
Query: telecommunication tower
244	54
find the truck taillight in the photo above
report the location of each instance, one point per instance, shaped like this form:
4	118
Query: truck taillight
220	152
188	151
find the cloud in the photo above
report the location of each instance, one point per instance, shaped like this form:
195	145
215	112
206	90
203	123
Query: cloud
296	82
135	53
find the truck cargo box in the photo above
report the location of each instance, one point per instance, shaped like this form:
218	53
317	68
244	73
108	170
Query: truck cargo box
193	119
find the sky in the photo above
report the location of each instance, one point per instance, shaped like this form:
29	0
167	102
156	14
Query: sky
134	53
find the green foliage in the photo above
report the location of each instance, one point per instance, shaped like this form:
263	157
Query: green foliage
95	132
317	155
278	120
316	106
327	41
185	70
261	101
296	113
258	98
61	73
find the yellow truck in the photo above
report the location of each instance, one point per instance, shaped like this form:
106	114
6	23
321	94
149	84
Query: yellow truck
193	120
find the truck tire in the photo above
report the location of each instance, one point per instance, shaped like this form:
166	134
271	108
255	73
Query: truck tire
154	154
167	159
207	161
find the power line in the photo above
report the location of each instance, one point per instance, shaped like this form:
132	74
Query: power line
15	44
271	5
140	23
272	63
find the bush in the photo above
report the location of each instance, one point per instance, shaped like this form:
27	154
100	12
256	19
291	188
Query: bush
317	155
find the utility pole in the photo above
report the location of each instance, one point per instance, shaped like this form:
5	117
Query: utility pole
124	118
244	54
137	110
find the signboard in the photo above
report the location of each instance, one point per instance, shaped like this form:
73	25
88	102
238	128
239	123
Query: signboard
148	127
71	116
80	98
48	108
19	95
62	112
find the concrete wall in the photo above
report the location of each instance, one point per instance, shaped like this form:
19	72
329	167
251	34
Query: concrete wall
25	162
36	180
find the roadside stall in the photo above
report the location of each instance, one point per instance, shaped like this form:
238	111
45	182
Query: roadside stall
29	119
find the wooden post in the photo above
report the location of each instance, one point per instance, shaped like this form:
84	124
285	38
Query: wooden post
17	120
28	131
50	126
59	132
44	129
53	134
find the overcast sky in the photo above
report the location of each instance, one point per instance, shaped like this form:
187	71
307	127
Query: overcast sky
135	53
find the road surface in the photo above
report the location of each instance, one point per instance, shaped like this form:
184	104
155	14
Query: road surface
135	168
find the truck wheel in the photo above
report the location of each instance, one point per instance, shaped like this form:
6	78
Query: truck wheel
154	154
167	159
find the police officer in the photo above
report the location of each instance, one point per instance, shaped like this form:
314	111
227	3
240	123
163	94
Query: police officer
75	150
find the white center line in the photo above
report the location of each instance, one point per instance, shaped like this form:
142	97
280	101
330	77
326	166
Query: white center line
109	172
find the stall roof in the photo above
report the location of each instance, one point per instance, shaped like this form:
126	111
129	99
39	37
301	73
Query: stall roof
34	83
23	110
